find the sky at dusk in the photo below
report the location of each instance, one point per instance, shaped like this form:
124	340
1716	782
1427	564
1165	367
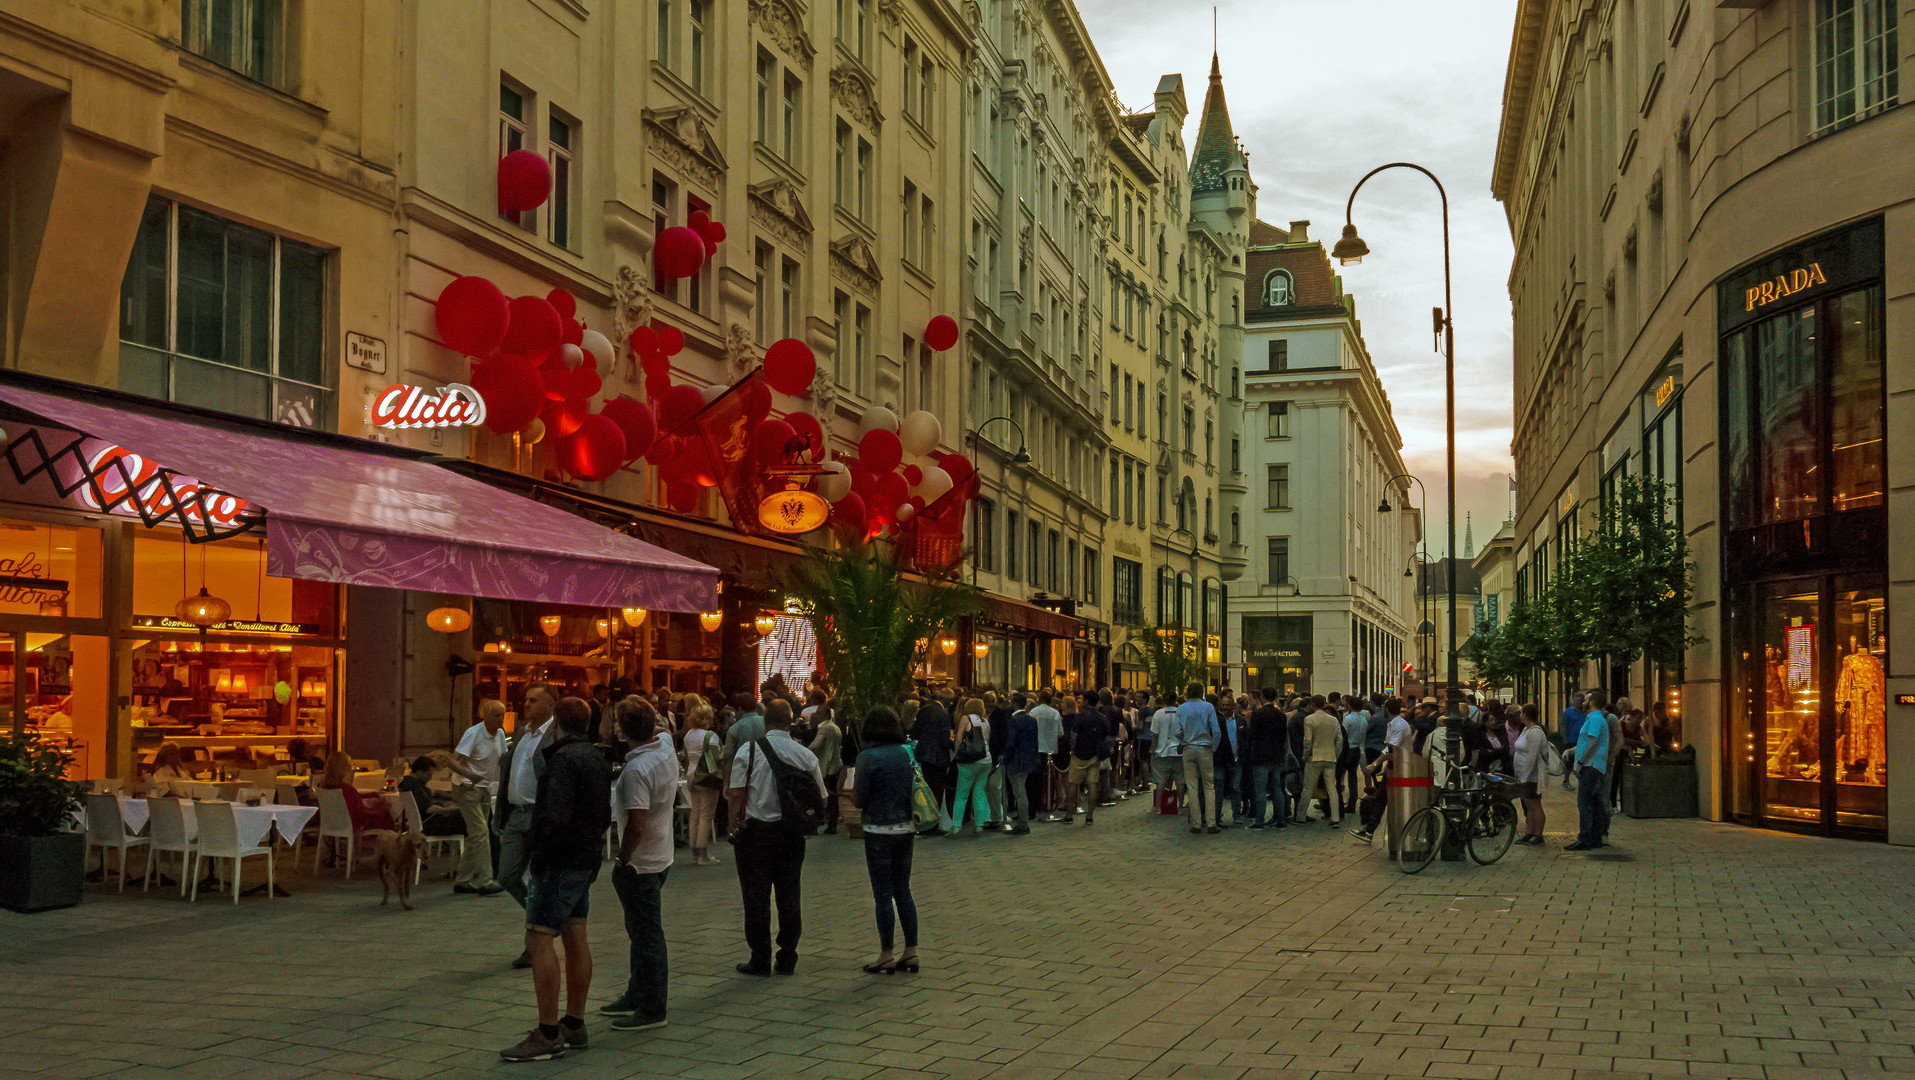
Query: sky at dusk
1321	92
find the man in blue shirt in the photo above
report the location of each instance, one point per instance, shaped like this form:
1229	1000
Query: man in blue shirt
1592	775
1197	731
1572	727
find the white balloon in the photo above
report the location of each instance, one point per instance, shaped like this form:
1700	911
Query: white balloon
935	483
905	511
711	393
834	482
600	347
571	356
876	417
920	432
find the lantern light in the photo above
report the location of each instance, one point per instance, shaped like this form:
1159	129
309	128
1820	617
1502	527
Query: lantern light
604	627
203	610
710	620
981	648
949	645
448	620
634	617
549	624
765	623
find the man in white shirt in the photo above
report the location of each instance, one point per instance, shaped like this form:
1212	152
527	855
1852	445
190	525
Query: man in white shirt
1167	764
646	793
771	855
1050	727
519	791
475	761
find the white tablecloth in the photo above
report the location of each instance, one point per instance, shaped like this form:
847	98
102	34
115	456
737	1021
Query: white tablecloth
133	814
254	822
198	789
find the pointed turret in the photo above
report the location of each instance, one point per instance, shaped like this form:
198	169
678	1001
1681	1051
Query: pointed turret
1216	153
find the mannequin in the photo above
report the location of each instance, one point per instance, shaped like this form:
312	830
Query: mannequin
1859	695
1799	749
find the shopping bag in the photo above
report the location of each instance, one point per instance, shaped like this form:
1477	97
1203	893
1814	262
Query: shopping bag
1169	802
924	805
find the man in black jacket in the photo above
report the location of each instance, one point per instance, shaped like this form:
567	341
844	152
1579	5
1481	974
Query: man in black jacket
569	819
1268	742
932	733
1089	731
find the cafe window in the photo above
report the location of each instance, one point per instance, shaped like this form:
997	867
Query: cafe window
224	316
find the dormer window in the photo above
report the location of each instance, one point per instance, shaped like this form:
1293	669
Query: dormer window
1277	289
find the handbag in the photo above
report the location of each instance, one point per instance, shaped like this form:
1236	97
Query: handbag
710	764
971	747
924	805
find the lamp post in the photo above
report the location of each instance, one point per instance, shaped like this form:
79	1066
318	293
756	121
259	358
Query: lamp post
1349	250
1384	507
1021	457
1423	626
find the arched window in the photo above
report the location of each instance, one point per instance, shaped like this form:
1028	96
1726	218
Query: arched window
1277	289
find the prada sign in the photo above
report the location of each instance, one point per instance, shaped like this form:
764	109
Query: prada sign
1831	263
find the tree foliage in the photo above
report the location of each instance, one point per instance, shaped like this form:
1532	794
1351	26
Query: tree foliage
36	798
1172	660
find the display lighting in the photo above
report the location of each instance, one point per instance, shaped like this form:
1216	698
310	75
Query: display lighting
981	649
448	620
604	627
203	610
765	623
949	645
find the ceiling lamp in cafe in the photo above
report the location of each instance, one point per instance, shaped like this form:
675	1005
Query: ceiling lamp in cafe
203	610
710	620
448	620
549	624
765	623
634	617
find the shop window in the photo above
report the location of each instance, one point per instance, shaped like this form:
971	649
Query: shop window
48	569
244	36
225	316
1856	58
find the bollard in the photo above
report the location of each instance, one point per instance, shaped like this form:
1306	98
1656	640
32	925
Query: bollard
1410	791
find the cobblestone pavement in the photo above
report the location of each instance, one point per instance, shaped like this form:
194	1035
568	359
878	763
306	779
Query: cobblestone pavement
1126	949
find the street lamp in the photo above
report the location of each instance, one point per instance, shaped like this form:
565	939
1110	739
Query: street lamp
1023	456
1425	627
1349	251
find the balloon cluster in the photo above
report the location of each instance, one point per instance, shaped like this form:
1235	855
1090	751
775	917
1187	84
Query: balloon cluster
681	251
896	475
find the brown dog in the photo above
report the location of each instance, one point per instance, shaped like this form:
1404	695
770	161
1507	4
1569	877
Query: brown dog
398	855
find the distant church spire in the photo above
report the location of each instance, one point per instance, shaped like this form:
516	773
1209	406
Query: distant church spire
1469	543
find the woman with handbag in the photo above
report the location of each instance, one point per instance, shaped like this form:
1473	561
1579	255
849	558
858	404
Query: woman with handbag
971	750
881	788
703	780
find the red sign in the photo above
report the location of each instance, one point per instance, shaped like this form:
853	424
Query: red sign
208	507
402	406
1408	667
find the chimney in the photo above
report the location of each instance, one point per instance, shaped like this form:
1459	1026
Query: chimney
1299	232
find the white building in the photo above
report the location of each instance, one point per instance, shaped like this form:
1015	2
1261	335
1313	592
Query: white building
1324	605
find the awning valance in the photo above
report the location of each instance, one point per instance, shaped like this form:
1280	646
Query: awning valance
1023	616
348	511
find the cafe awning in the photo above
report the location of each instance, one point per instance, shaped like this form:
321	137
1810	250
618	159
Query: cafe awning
1022	616
335	508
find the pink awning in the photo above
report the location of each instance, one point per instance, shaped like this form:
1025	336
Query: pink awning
358	513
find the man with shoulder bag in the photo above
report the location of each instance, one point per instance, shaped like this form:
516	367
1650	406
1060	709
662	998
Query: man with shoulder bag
776	799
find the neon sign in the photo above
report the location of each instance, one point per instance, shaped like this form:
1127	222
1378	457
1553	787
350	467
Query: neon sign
402	406
203	504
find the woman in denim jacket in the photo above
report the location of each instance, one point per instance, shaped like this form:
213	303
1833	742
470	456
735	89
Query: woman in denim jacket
882	791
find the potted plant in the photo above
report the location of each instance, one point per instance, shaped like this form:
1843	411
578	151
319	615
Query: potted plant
42	857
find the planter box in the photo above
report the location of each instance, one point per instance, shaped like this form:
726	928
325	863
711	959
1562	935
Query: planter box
1660	789
41	872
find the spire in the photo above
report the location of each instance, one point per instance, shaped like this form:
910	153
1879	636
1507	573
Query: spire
1216	152
1469	543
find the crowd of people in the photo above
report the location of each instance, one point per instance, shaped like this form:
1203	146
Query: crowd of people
765	771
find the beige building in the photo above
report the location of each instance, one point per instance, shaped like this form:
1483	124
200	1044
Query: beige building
1495	588
1713	207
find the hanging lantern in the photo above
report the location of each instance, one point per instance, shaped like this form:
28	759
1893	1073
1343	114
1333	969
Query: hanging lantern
549	624
980	648
604	628
448	620
204	610
710	620
949	645
634	617
765	623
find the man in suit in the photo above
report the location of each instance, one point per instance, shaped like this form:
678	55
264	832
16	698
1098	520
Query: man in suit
518	792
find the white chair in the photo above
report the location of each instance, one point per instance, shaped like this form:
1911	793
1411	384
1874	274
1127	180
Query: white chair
105	828
335	821
414	823
167	830
219	839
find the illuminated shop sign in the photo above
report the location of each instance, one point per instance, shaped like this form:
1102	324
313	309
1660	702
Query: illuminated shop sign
230	626
402	406
202	504
1835	261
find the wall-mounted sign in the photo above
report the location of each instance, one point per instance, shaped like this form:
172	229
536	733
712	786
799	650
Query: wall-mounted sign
204	505
1905	699
1784	285
230	626
402	406
365	353
1665	390
24	581
1843	259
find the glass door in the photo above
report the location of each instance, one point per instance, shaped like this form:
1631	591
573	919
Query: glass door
1789	640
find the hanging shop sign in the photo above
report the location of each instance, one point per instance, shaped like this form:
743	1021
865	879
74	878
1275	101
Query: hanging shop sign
230	626
402	406
24	581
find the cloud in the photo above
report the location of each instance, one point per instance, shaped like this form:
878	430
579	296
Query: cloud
1320	92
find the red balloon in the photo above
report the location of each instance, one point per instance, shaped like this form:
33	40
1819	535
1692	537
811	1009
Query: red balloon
757	400
534	329
692	464
678	253
663	450
671	340
716	232
805	426
942	333
563	302
863	480
848	513
562	418
558	381
916	502
677	406
958	466
657	385
635	420
913	475
595	450
471	316
571	331
584	383
525	182
698	220
684	497
644	340
891	492
790	366
512	389
880	451
768	441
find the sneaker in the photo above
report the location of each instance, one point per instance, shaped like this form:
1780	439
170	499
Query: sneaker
536	1047
624	1006
759	970
1361	836
635	1022
1021	830
463	888
575	1037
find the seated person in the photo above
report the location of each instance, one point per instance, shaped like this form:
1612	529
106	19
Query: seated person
163	782
366	813
438	816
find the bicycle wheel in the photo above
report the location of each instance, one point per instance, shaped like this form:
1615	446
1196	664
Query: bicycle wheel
1492	829
1422	839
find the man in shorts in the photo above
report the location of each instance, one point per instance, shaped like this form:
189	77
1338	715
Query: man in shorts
570	816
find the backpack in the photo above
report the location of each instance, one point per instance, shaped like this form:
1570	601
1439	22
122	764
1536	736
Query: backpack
970	749
800	805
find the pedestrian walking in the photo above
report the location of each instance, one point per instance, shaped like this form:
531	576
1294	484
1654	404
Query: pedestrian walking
1266	743
770	850
1167	762
1323	743
972	755
1088	730
1228	755
1592	765
570	814
1526	755
704	777
523	766
1021	759
1197	733
645	796
1356	725
881	790
475	761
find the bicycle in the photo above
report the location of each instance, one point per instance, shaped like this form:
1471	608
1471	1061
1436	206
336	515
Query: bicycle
1473	807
